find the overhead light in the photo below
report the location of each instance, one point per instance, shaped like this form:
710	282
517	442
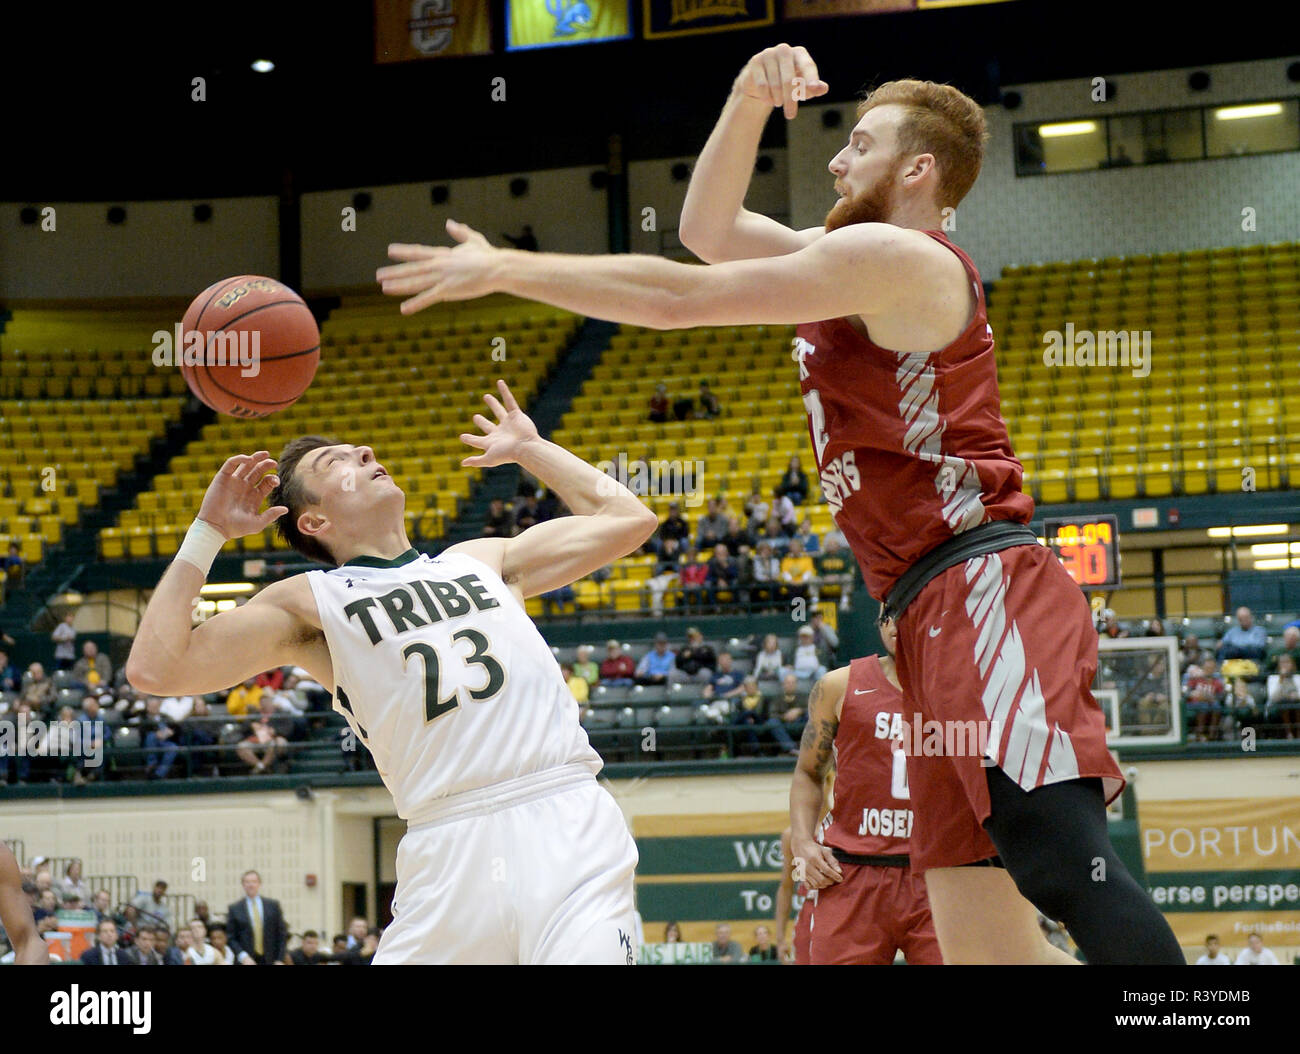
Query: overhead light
1237	113
1270	549
263	66
1051	131
1272	565
220	589
1250	531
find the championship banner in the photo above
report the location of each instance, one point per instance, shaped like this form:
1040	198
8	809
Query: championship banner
551	23
797	9
425	29
1225	866
680	18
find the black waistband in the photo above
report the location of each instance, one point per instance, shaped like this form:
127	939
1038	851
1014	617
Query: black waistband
990	537
872	859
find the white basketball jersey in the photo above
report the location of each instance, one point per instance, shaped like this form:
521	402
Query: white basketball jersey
443	676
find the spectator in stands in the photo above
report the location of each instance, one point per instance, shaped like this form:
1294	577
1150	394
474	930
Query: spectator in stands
657	665
692	577
798	574
72	883
578	686
618	669
554	601
584	667
794	483
834	535
709	407
243	699
659	404
11	726
772	533
724	574
1284	696
1155	628
93	669
807	664
364	955
665	574
104	952
727	684
1245	640
549	506
756	508
825	638
102	904
683	407
725	950
1204	690
199	952
1290	645
526	512
1242	706
499	522
672	933
1191	654
159	734
10	678
179	707
788	713
47	906
146	951
712	525
220	941
358	927
13	565
736	535
172	954
39	690
197	731
675	525
127	921
271	680
766	572
1110	625
152	906
807	537
285	721
1255	954
1214	955
769	663
784	512
309	954
65	637
695	661
763	950
262	747
339	944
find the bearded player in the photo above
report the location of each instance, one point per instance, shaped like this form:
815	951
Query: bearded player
898	377
513	852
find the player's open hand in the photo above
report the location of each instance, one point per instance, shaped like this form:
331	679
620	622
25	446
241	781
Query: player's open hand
236	494
500	442
816	862
437	273
783	75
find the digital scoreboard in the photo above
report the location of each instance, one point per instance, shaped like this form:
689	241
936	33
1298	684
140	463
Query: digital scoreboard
1088	547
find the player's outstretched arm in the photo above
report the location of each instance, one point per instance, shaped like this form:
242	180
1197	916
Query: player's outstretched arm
820	868
876	267
715	225
608	520
167	656
16	914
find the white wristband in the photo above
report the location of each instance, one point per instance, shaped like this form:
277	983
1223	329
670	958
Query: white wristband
201	545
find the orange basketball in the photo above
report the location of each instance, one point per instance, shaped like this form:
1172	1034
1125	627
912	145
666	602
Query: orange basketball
259	349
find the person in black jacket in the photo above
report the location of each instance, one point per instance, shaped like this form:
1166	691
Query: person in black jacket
794	484
256	925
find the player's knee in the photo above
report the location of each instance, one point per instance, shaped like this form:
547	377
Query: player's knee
1039	883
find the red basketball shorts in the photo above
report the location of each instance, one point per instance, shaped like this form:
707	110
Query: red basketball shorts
868	917
997	657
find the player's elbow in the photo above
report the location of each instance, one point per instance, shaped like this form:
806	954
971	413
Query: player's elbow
142	677
646	523
698	242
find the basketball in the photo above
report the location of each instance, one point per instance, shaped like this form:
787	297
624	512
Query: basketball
259	349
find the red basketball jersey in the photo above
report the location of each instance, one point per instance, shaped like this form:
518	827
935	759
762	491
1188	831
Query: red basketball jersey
911	446
872	813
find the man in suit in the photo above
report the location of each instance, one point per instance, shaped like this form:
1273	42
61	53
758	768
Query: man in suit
146	947
105	951
258	934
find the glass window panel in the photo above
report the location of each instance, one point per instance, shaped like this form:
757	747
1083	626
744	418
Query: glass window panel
1257	128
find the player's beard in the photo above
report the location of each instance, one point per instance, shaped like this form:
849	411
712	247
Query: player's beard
872	205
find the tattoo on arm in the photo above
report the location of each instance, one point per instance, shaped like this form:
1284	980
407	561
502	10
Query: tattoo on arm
819	732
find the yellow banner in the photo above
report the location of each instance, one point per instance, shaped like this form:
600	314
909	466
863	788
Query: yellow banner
424	29
547	23
1230	867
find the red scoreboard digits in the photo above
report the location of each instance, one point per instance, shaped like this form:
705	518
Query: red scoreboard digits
1088	547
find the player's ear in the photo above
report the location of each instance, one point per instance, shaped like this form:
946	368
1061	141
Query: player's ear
313	524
